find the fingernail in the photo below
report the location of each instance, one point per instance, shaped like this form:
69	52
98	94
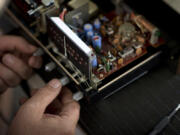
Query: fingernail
9	59
55	84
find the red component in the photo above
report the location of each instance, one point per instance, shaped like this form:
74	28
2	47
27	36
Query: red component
96	38
61	16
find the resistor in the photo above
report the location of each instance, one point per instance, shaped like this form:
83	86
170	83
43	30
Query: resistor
103	30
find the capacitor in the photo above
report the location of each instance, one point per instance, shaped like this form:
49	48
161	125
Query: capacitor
97	24
94	62
50	67
88	27
89	35
97	42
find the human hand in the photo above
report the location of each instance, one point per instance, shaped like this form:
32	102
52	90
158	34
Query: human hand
32	118
16	61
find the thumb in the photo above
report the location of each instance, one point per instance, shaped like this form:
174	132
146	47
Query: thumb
71	109
70	113
43	98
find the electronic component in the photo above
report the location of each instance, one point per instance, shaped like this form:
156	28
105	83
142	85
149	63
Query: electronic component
97	42
78	3
89	35
50	67
64	81
97	24
71	46
127	52
94	63
78	16
145	26
95	49
47	2
88	27
76	96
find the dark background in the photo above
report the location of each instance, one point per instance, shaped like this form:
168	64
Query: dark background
136	109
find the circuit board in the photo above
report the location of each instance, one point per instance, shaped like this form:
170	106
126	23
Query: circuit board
88	43
122	41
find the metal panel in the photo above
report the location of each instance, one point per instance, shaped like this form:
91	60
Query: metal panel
71	45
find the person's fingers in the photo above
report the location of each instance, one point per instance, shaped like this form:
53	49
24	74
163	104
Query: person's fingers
12	43
22	100
17	65
66	95
70	113
54	107
35	62
8	76
43	98
33	92
3	86
70	109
